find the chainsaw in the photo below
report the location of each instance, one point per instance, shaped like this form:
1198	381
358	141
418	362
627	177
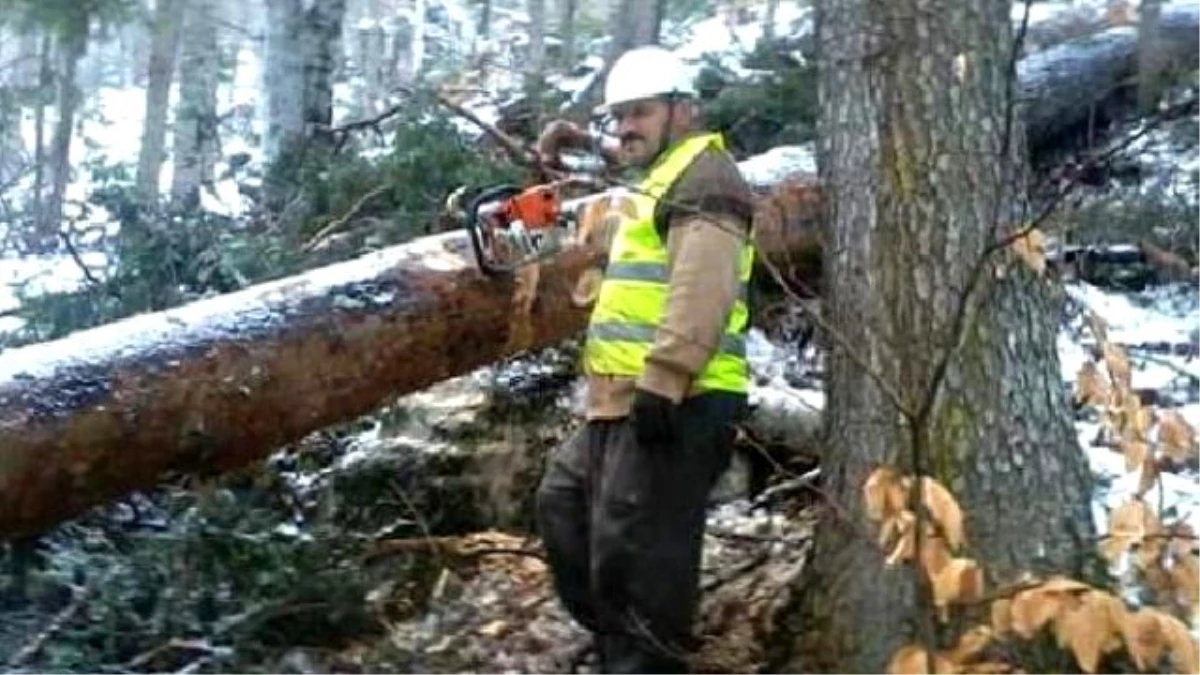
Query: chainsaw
511	226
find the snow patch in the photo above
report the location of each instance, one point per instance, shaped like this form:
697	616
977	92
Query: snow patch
778	163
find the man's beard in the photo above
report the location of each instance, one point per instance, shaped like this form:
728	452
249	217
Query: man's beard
643	156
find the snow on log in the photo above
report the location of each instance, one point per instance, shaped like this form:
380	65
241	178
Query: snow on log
218	383
1062	86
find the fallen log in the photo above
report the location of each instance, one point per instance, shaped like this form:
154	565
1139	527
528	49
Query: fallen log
218	383
222	382
1071	84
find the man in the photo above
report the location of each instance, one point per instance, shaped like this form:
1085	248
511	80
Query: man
621	507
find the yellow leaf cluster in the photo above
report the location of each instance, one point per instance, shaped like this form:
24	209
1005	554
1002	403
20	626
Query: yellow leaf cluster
1163	555
1129	524
1087	622
1091	623
953	579
913	658
1030	247
886	497
1177	437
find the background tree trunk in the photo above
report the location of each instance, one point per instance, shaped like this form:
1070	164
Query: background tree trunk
195	139
1150	57
566	32
160	75
284	77
915	143
72	46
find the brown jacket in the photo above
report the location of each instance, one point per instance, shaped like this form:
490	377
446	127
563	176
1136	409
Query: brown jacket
705	217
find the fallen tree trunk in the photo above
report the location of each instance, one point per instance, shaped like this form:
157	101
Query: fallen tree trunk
1072	84
222	382
218	383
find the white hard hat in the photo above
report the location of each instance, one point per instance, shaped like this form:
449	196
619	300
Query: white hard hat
645	72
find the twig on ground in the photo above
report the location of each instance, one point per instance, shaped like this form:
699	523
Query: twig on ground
79	595
803	482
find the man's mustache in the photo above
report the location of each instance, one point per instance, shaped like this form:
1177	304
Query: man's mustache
627	138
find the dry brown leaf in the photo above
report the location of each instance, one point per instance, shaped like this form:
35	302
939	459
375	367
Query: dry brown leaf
1141	418
1031	248
1126	526
1153	542
1090	386
1091	628
904	548
1032	608
971	643
1185	581
1178	437
955	578
876	492
1148	476
944	509
1135	453
1185	652
934	555
1117	362
1098	326
1144	638
1001	617
914	659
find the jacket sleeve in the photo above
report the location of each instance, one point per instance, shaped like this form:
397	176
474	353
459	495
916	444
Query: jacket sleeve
707	223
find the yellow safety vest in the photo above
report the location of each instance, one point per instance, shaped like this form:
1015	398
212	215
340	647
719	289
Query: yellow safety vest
632	297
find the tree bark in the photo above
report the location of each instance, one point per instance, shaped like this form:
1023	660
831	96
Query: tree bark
160	74
566	29
196	133
920	159
72	46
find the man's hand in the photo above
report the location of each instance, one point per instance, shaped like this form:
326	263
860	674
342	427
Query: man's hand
556	137
654	418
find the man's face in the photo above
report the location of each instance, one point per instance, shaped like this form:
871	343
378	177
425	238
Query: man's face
640	126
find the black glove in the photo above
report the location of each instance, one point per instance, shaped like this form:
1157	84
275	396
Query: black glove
654	418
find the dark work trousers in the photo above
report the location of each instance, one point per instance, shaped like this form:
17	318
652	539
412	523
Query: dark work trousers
623	526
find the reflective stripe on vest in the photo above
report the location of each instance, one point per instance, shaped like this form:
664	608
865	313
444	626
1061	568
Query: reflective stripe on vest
632	298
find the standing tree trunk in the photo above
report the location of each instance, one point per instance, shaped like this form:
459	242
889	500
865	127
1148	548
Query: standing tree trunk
160	74
323	54
45	80
1151	73
71	49
195	138
769	14
632	23
303	51
919	152
284	77
566	31
535	71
